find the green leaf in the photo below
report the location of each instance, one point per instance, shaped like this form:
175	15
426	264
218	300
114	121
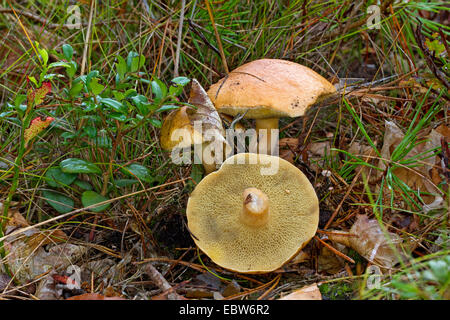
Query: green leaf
155	122
90	197
197	173
138	171
141	104
121	183
167	107
175	90
83	184
102	142
33	80
440	270
71	69
130	93
121	66
90	131
119	96
19	99
59	64
67	51
118	116
76	89
116	105
96	87
58	201
157	91
44	55
55	177
182	81
135	61
91	75
161	86
74	165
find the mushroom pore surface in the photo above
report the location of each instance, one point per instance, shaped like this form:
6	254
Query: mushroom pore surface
248	222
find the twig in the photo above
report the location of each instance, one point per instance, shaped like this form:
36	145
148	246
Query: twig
429	57
161	282
88	36
193	27
337	252
180	35
219	43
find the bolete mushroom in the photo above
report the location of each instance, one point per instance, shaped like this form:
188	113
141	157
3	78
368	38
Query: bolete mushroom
268	89
200	127
254	214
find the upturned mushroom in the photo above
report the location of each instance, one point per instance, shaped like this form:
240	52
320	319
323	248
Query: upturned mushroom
200	127
266	90
254	214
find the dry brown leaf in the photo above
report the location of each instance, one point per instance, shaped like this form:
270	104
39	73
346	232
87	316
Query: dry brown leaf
26	256
311	292
370	242
287	147
329	262
417	179
16	219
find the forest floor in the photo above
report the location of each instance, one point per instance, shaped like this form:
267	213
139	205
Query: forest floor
84	90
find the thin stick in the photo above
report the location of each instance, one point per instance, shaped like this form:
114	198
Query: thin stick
180	35
219	43
276	280
161	282
337	252
86	41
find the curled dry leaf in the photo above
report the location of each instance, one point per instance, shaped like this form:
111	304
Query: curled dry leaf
371	242
417	179
200	126
206	114
311	292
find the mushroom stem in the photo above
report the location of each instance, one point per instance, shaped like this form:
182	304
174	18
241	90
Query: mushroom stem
266	135
207	167
255	207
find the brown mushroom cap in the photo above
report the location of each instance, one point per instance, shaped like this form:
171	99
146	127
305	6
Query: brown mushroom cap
269	88
216	207
178	120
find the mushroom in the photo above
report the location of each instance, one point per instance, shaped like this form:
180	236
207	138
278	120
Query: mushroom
268	89
201	127
254	214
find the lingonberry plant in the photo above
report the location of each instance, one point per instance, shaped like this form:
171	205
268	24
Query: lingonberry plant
102	113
